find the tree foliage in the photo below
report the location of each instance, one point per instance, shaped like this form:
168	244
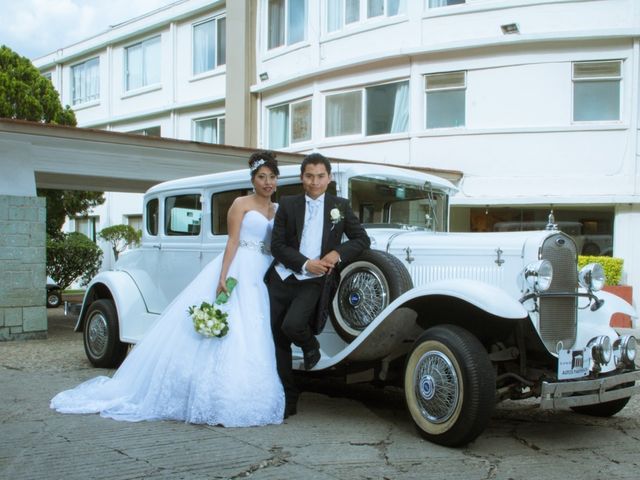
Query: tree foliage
26	95
72	257
67	203
120	237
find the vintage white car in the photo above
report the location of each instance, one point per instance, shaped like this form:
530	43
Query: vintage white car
459	320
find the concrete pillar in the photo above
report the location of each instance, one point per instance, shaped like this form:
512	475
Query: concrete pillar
240	104
626	229
22	268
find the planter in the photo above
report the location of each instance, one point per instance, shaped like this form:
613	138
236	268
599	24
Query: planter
626	293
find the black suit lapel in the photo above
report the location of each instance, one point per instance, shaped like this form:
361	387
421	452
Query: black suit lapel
299	210
329	203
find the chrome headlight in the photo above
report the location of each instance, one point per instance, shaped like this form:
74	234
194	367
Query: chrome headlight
628	349
601	349
537	276
592	277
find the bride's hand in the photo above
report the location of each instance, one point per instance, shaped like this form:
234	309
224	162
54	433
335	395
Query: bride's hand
222	287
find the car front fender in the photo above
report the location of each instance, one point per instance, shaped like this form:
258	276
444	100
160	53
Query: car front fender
119	287
396	325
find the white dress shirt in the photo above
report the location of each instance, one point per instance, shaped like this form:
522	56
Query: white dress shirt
311	239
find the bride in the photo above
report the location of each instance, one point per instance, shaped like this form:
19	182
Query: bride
174	373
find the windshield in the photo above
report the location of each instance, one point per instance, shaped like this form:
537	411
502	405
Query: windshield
387	202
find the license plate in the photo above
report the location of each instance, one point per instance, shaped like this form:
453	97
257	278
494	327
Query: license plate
573	363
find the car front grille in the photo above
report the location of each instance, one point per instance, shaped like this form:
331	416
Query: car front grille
558	315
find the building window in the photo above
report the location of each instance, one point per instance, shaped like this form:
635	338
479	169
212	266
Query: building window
147	132
142	64
443	3
210	130
596	91
386	110
289	123
445	94
134	221
286	22
85	81
209	45
341	13
86	226
47	76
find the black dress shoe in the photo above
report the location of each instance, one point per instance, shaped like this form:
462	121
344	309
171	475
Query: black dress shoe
311	357
290	409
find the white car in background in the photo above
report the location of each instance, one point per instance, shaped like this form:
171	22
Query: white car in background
459	320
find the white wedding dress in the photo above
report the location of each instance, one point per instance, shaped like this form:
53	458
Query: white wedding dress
175	373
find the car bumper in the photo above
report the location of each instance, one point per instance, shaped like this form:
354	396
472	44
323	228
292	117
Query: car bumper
588	392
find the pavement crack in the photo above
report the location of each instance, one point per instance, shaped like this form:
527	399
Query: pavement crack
280	458
491	464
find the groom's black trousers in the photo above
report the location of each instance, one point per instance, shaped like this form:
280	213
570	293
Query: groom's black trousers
293	305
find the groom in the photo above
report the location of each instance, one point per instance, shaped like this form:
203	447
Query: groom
307	245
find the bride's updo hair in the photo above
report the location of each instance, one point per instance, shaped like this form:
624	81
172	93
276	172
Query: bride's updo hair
263	158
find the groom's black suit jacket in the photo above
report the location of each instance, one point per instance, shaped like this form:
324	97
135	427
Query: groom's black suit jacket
289	221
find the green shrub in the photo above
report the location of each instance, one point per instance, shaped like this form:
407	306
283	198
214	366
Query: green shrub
71	257
612	267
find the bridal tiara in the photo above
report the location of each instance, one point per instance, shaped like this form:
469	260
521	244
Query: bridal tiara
257	164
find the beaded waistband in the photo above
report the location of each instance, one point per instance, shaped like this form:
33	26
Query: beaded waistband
258	246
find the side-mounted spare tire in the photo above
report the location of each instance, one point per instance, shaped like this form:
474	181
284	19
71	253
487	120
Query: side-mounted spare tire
367	286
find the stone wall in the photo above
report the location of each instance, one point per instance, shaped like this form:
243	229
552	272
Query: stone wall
22	268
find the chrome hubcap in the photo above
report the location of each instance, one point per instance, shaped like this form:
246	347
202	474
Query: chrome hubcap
97	334
436	387
362	295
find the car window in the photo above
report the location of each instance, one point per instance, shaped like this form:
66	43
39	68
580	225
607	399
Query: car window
220	203
152	216
183	214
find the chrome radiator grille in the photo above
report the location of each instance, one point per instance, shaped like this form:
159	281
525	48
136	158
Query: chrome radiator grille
558	316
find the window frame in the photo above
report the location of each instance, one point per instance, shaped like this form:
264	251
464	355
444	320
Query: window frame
219	119
429	7
363	16
575	81
85	100
289	106
285	43
141	44
216	37
363	113
444	89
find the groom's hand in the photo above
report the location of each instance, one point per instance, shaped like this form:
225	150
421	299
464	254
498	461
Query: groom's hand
330	260
317	267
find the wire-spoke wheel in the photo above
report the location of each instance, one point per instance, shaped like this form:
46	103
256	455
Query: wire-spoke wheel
101	336
367	287
449	385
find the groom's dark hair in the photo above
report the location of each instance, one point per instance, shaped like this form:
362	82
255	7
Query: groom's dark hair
315	159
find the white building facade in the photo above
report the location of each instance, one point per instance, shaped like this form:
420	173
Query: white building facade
535	101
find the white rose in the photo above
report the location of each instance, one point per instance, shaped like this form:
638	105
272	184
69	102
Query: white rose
334	214
210	323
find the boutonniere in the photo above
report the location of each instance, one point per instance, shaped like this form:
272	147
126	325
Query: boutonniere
335	215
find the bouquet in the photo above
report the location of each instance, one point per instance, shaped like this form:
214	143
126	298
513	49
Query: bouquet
210	321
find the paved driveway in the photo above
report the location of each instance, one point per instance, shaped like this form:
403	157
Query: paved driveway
340	432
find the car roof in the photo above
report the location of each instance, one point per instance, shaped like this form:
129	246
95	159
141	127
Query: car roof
288	172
